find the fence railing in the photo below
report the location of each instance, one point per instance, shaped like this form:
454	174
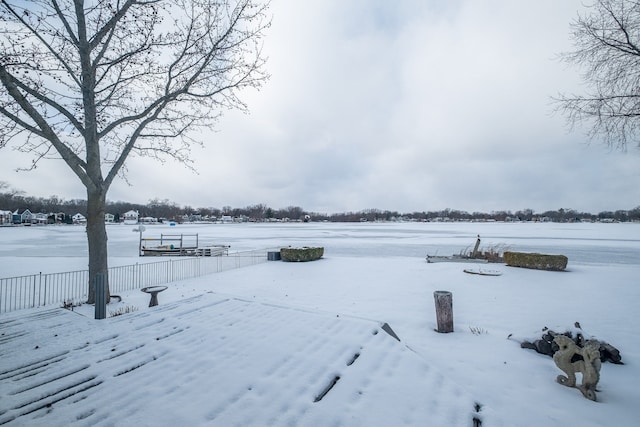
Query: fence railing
37	290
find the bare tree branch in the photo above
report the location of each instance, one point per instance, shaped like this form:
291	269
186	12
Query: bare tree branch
43	129
100	81
607	50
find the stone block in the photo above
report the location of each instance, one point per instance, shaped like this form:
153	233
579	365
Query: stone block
536	261
301	254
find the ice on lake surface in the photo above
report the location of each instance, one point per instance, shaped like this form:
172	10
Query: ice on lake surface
580	242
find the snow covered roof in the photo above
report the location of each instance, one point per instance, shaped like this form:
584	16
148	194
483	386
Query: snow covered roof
222	360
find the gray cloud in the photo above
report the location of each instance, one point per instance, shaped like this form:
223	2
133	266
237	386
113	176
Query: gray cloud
410	105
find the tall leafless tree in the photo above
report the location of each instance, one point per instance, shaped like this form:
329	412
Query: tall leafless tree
607	50
94	82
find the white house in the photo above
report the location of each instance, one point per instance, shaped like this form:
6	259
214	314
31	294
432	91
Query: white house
131	217
40	218
109	217
79	219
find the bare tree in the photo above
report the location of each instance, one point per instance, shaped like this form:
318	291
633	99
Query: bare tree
607	49
94	82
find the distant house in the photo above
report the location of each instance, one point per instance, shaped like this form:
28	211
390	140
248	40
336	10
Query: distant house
6	217
40	218
22	218
79	219
109	218
148	220
131	217
62	217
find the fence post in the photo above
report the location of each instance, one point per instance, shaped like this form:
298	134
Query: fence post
34	291
444	311
101	296
44	292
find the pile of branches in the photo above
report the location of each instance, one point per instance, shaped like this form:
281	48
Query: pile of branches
546	344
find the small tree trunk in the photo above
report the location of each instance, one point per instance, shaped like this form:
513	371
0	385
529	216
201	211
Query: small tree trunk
444	311
97	239
100	297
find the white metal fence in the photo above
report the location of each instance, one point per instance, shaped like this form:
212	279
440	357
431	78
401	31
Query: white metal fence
40	289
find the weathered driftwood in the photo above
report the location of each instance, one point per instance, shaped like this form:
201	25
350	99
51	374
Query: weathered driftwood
301	254
482	272
571	359
444	311
536	261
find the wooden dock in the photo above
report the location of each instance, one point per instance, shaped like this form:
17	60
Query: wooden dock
178	245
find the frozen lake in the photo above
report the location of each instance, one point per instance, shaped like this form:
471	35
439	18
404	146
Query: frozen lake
47	249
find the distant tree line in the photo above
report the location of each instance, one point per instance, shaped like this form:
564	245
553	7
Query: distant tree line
13	200
560	215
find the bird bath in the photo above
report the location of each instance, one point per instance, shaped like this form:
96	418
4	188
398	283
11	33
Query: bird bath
153	291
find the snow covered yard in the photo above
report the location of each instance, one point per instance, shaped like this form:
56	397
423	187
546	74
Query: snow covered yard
262	345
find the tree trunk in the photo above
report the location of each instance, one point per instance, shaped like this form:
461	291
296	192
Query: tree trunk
97	239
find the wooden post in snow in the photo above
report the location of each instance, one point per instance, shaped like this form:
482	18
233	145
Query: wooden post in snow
475	249
444	311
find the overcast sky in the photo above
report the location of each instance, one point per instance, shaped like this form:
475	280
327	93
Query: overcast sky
408	105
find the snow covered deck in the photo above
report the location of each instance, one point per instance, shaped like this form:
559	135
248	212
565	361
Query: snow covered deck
218	360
